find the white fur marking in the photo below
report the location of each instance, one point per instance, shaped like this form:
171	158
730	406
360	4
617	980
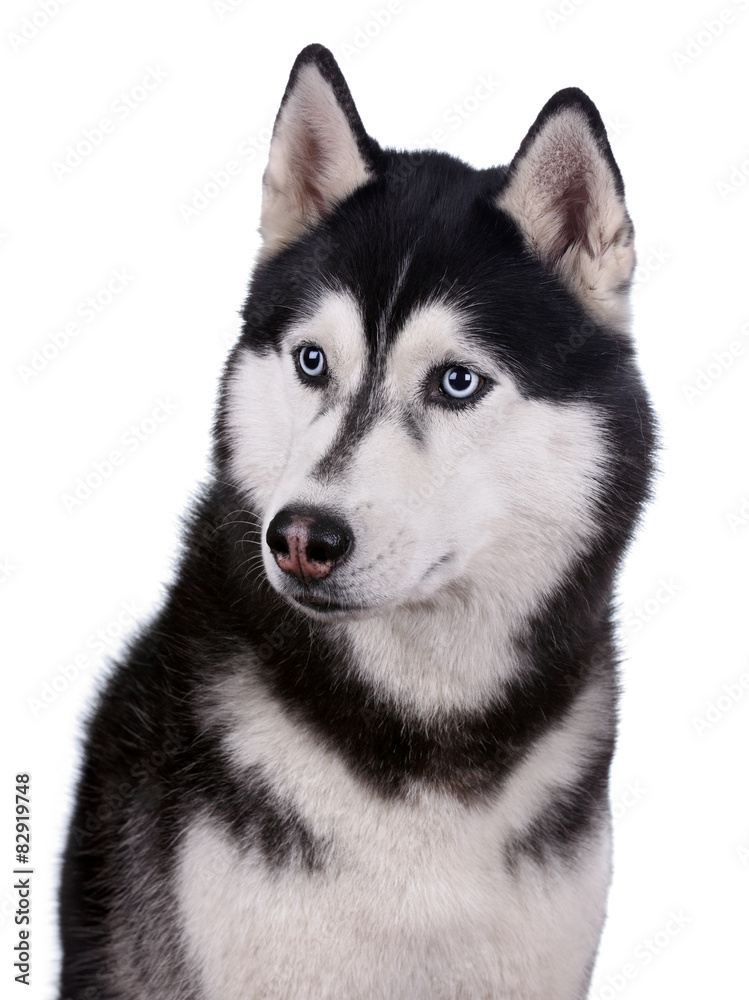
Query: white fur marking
274	420
415	904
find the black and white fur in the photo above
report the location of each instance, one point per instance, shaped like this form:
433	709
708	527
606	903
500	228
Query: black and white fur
390	782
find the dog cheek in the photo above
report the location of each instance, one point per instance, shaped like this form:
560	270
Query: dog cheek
259	425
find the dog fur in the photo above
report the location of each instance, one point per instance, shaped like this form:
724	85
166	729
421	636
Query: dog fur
382	772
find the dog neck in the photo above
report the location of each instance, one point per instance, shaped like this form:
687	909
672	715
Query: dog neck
452	653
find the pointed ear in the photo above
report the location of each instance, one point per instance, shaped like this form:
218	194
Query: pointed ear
565	192
319	152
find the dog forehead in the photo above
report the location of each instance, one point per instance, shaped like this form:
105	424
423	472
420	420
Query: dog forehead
335	317
335	324
432	333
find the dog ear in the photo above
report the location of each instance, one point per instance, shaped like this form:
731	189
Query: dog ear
319	152
565	192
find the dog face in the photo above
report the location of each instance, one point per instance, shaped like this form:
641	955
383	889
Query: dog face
419	403
428	462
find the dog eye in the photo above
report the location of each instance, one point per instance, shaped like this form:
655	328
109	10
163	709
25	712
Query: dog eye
460	383
311	361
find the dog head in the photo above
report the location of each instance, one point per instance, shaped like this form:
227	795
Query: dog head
434	388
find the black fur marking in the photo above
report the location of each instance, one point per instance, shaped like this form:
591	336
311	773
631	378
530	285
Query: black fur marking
125	809
254	814
439	562
412	425
360	417
562	828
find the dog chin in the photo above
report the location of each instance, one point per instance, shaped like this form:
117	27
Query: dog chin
330	609
341	607
330	603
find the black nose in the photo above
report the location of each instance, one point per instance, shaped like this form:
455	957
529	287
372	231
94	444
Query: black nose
307	542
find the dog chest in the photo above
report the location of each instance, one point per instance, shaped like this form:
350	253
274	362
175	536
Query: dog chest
391	920
404	899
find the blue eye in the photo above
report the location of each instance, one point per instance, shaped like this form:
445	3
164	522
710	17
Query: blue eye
311	361
460	383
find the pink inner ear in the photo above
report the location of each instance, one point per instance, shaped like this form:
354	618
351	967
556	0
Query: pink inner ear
573	207
564	192
564	186
308	162
315	161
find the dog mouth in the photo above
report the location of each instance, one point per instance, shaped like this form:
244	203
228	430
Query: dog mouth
323	604
320	600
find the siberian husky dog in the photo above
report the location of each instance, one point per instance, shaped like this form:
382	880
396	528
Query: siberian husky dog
362	753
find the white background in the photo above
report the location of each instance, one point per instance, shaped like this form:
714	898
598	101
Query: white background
678	116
